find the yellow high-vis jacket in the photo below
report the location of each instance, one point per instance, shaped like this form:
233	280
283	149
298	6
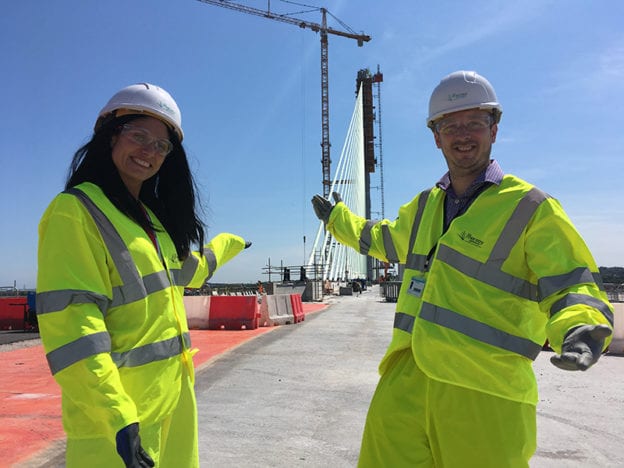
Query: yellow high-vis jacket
478	301
111	312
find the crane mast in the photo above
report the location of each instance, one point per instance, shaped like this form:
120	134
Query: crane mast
325	145
324	30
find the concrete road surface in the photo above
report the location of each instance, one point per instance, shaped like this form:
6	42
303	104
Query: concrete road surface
298	396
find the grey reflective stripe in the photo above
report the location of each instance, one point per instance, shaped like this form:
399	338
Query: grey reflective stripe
403	322
414	261
54	301
77	350
516	224
366	240
211	259
551	284
365	237
152	352
127	293
487	273
184	275
156	281
176	274
479	331
391	253
575	299
98	343
133	286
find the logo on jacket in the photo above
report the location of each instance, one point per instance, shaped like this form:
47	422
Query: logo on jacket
469	238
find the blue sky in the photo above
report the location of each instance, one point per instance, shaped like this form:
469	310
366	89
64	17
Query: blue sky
249	91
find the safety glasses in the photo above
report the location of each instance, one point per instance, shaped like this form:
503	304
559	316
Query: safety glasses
451	126
143	137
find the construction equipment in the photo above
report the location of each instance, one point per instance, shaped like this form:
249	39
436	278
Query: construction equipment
324	30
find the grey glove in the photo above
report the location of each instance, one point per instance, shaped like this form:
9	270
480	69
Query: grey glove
323	207
129	448
581	347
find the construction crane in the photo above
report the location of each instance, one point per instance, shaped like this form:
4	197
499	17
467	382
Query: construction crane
324	30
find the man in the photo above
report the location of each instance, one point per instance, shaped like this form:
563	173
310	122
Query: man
493	268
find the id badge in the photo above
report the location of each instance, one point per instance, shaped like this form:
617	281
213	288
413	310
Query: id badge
416	286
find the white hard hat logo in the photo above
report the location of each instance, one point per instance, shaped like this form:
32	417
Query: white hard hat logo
456	96
166	108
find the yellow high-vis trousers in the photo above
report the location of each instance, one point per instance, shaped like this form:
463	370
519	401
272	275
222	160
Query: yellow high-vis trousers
172	443
414	421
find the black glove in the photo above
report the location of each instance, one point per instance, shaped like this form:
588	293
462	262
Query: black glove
323	207
581	347
247	244
129	448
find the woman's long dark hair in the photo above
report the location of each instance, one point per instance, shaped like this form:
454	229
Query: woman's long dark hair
170	194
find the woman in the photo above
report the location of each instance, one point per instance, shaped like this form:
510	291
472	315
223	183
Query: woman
114	259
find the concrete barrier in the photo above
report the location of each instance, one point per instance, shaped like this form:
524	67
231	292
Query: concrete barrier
276	309
617	343
289	288
263	310
313	291
233	313
346	291
197	312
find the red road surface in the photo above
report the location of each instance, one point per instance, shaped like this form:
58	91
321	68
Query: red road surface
30	399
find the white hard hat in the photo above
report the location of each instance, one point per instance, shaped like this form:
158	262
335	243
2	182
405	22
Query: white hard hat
462	90
144	98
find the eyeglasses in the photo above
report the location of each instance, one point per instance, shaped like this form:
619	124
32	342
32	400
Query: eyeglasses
142	137
476	124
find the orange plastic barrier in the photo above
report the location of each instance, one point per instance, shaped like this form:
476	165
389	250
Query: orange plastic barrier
13	312
233	313
297	307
